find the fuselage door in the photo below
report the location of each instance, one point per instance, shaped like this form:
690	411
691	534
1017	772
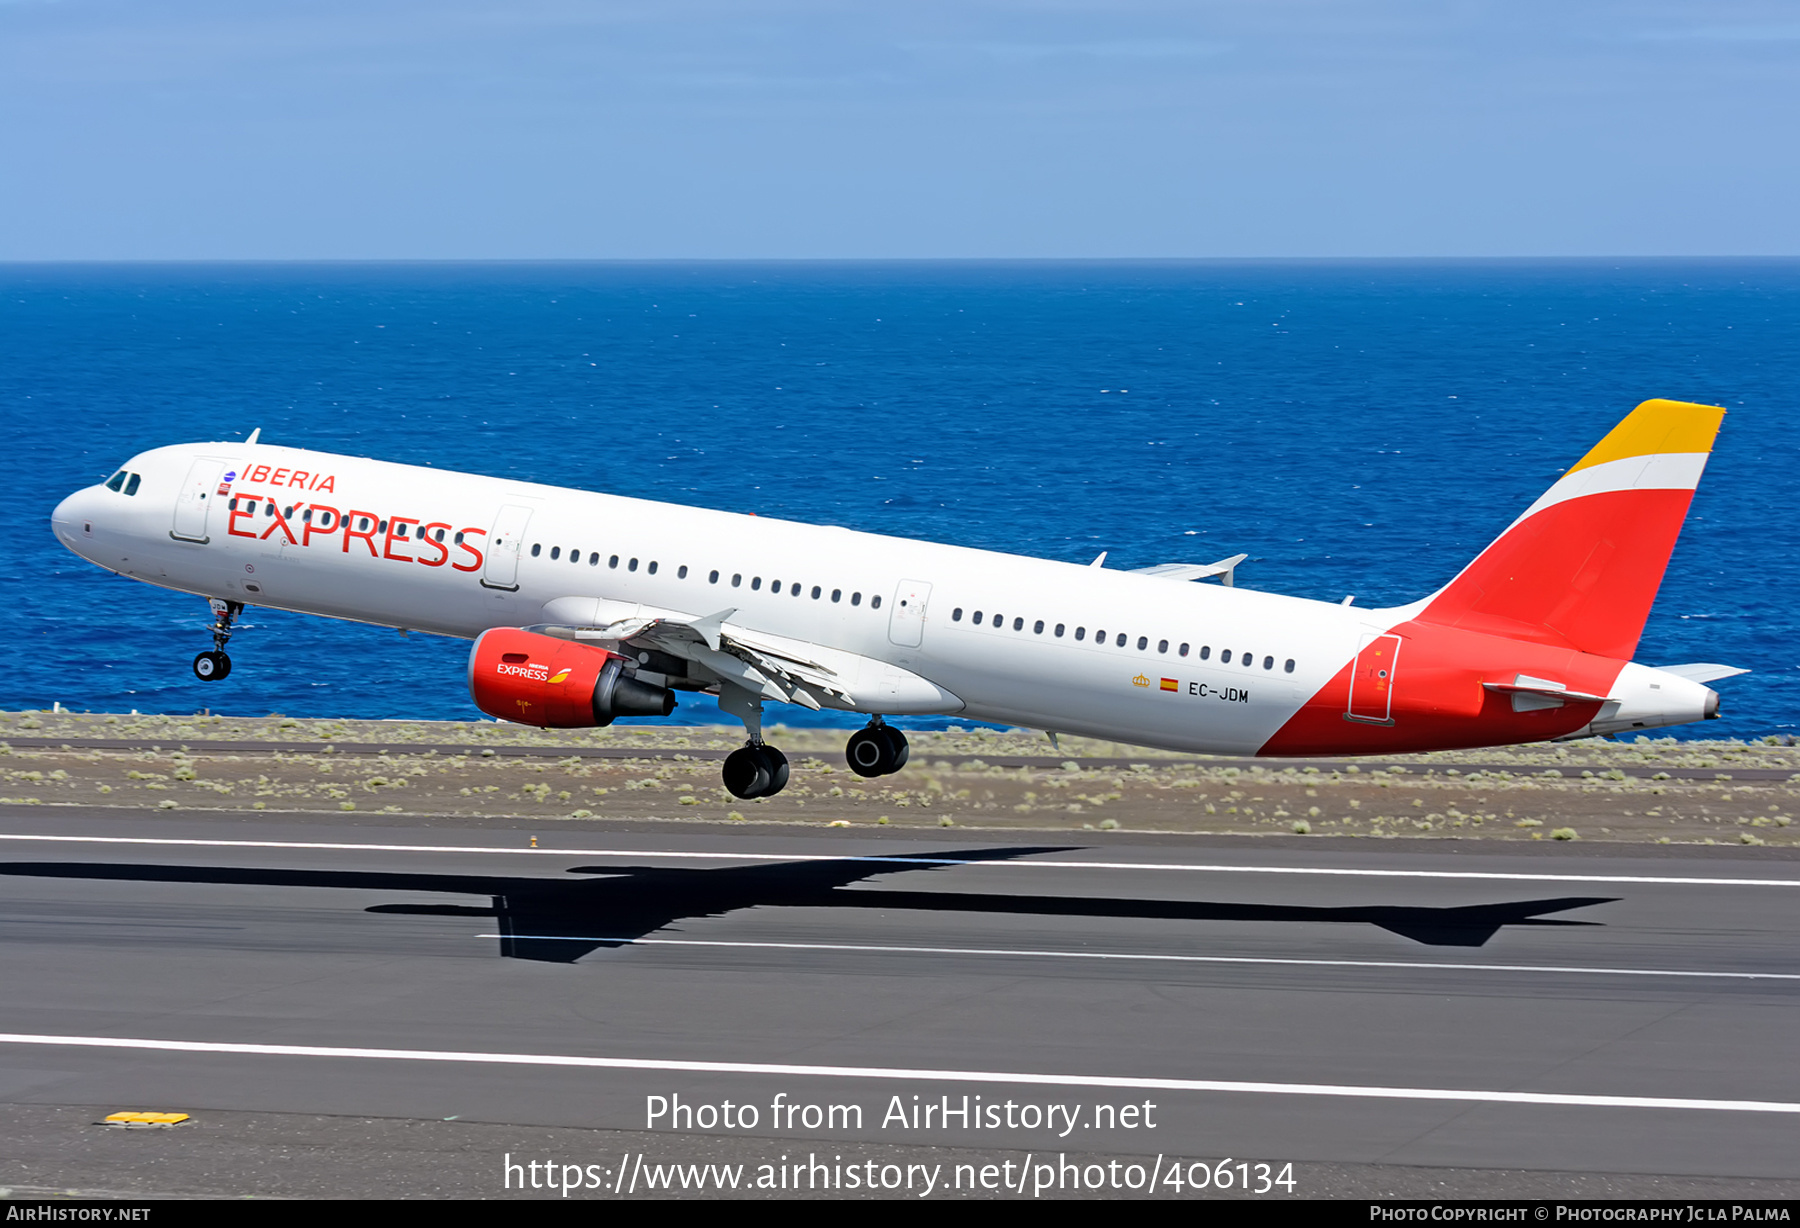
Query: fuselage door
906	625
1372	681
201	490
505	540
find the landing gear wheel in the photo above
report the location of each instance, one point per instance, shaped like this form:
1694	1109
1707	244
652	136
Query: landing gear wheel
778	770
211	666
746	773
870	752
755	771
897	746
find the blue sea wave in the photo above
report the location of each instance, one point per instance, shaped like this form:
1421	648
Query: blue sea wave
1357	427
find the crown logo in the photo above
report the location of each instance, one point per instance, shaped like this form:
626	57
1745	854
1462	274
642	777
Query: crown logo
1140	680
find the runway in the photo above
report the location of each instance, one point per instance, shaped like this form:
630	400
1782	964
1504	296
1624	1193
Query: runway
1425	1005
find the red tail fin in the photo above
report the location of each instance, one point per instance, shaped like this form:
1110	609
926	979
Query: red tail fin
1581	567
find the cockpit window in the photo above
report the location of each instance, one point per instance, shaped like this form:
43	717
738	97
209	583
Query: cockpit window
116	481
132	485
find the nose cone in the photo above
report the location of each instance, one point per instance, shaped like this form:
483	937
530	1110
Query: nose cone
73	521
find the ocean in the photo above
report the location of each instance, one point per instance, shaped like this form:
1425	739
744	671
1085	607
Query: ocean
1358	427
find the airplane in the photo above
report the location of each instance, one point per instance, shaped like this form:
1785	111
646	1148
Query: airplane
587	607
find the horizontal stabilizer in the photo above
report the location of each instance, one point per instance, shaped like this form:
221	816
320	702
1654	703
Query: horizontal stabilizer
1525	684
1700	672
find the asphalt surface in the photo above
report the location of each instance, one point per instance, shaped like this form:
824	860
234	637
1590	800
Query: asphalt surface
1340	1006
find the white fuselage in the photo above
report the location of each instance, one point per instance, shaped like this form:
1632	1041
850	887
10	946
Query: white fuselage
457	554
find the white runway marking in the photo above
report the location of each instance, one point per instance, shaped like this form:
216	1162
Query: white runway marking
901	860
1183	959
1463	1095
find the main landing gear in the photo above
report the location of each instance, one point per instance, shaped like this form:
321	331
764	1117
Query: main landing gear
755	770
215	665
877	750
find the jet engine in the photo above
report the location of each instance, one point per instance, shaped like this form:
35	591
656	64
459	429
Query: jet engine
557	684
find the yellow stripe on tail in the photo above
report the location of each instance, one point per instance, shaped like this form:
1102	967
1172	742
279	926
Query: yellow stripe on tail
1654	428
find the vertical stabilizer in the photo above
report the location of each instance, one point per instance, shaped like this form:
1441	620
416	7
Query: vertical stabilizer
1581	567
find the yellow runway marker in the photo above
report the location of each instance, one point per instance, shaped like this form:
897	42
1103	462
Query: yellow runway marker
138	1119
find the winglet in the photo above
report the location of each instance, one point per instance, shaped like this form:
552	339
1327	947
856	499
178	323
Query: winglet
254	435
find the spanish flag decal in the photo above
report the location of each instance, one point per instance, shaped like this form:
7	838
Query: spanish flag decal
1169	684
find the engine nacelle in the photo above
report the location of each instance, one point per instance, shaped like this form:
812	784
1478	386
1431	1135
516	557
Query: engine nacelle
556	684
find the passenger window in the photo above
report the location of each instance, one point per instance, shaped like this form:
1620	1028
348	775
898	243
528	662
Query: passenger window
855	598
875	602
1018	624
1249	659
817	592
631	566
574	555
1268	662
1162	645
1205	651
977	618
232	505
681	572
795	591
1143	642
1081	633
116	482
1037	628
736	581
756	585
536	548
380	528
1289	667
1224	656
1121	640
613	562
1183	650
132	485
652	568
956	615
555	551
837	594
1059	630
593	559
459	537
775	587
1099	639
713	578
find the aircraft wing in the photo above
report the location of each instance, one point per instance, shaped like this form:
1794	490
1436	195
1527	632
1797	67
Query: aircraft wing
718	650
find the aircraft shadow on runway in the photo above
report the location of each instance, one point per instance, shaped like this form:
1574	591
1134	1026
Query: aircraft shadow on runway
559	920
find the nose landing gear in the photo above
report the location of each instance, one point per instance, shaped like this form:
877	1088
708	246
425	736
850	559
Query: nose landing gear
215	665
877	750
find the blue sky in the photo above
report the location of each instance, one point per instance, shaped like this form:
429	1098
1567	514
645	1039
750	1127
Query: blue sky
692	129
